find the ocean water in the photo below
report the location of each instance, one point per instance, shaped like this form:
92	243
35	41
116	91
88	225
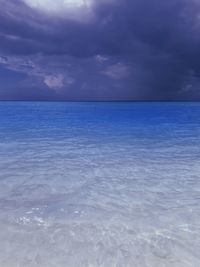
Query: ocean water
99	184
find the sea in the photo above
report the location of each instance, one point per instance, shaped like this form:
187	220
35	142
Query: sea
99	184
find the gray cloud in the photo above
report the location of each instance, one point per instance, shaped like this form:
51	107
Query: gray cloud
120	50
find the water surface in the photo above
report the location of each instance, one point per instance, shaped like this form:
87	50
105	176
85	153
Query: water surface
99	184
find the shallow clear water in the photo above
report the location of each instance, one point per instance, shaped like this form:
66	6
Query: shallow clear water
99	184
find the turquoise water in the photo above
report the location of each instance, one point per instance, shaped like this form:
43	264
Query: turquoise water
99	184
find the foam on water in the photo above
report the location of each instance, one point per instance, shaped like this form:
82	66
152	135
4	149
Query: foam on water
99	184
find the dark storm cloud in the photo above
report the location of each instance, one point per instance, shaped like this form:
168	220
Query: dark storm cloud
126	50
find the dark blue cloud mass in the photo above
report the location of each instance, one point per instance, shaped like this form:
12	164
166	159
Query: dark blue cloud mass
99	50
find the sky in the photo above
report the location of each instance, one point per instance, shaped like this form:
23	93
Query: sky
100	50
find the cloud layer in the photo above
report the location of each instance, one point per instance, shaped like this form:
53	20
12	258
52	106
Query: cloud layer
100	50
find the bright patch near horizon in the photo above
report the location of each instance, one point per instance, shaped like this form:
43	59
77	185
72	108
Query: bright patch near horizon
59	6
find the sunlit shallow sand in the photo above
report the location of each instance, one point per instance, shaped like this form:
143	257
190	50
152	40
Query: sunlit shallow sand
99	185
